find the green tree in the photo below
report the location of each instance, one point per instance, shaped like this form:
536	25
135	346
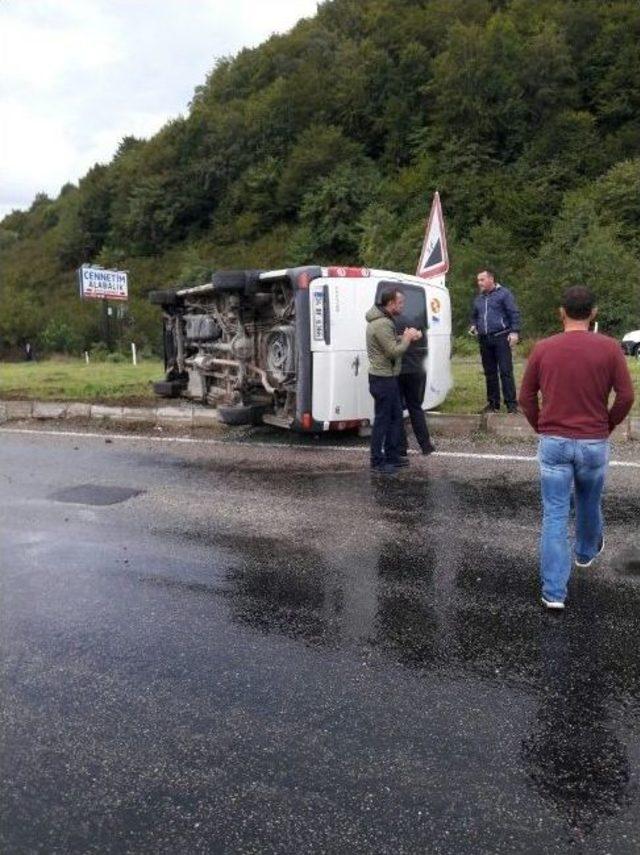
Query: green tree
329	216
477	90
618	201
317	153
583	250
85	218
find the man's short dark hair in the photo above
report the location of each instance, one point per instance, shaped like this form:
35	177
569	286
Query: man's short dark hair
388	296
489	270
578	302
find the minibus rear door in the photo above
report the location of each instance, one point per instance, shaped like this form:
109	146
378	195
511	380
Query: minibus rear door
340	387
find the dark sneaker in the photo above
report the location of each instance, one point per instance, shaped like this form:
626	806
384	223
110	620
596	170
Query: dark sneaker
552	605
428	449
385	469
581	561
489	409
513	410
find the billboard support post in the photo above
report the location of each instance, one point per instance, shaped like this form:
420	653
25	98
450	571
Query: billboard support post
106	325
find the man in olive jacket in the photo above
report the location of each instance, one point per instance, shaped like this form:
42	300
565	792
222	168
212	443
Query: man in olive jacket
385	349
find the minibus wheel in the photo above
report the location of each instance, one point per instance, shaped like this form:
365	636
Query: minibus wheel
168	297
168	388
241	415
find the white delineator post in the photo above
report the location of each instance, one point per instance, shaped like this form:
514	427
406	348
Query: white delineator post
134	355
86	356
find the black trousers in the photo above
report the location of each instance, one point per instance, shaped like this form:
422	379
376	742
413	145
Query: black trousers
387	422
412	394
495	351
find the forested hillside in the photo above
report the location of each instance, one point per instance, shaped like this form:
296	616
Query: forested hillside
326	144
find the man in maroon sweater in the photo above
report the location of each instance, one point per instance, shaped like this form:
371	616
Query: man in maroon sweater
575	371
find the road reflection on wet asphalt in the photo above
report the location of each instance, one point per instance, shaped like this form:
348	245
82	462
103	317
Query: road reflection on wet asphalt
249	650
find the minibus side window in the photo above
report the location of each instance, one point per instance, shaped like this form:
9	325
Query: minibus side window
415	303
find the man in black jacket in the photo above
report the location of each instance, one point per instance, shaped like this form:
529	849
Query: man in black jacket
412	382
495	319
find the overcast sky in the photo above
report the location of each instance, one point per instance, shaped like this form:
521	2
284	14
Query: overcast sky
78	75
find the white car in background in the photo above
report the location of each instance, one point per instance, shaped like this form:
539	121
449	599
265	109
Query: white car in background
631	344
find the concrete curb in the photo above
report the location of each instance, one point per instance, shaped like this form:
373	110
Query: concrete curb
453	424
508	426
181	415
193	415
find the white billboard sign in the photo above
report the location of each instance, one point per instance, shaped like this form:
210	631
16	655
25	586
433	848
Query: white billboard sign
98	284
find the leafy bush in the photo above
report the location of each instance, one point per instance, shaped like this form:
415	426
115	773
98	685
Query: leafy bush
525	347
59	337
464	346
99	351
146	353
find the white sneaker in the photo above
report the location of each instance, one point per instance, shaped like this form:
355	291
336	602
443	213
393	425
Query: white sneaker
556	605
589	563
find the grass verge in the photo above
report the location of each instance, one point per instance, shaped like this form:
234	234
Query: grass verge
468	394
123	383
74	380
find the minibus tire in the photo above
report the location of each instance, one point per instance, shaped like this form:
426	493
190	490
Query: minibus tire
168	388
168	297
229	280
238	416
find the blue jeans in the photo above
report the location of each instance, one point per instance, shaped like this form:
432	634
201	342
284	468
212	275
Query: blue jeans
569	468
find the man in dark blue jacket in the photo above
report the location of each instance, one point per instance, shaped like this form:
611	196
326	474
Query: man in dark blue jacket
495	319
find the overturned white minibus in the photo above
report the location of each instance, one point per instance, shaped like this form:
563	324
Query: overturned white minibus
287	347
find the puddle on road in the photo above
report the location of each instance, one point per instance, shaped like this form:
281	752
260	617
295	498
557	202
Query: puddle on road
435	603
583	670
629	561
400	597
481	622
416	494
94	494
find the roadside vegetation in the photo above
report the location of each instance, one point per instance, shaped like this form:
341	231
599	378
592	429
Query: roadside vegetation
325	145
67	379
468	394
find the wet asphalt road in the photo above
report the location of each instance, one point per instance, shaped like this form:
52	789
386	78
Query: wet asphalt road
239	649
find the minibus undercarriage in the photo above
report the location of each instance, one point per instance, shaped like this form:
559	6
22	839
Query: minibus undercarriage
232	344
